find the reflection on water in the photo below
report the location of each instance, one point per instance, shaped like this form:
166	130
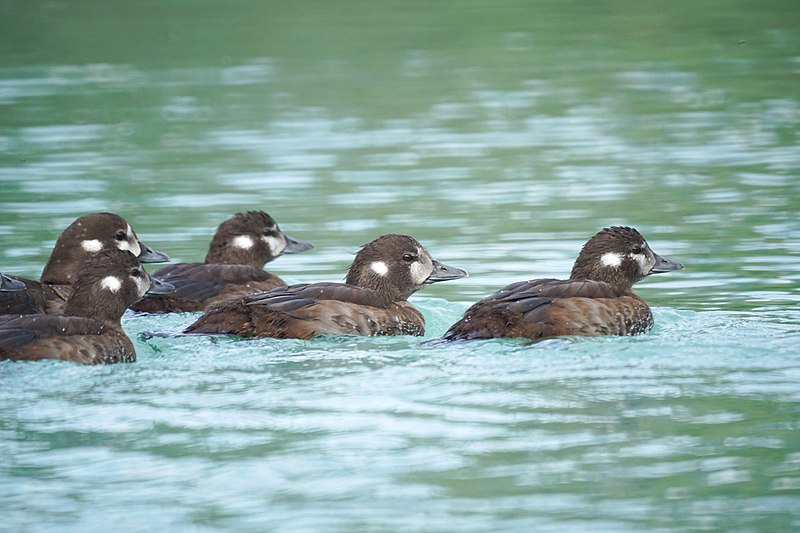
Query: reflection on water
502	136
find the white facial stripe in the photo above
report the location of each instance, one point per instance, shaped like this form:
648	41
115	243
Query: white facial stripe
611	259
111	283
131	243
92	246
142	285
419	273
133	248
245	242
276	244
380	268
642	260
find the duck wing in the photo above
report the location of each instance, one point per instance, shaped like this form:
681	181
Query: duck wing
306	310
550	308
198	285
70	338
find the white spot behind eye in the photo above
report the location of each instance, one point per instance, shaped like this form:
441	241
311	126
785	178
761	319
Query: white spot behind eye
111	283
380	268
611	259
276	245
92	246
245	242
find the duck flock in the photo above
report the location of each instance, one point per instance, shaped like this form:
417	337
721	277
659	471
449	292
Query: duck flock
94	274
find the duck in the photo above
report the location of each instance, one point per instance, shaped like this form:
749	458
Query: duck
10	285
89	330
372	301
234	265
597	299
82	239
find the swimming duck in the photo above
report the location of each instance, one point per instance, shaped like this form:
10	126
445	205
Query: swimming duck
596	299
82	239
372	301
89	330
233	266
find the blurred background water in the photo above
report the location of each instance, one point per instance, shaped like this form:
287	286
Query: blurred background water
501	135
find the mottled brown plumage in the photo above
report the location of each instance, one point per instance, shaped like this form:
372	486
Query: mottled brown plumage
89	331
234	266
596	300
82	239
373	301
307	310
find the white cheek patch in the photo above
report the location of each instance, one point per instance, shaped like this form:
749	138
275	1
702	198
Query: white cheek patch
380	268
245	242
611	259
134	248
142	285
131	244
420	273
92	246
111	283
276	245
642	260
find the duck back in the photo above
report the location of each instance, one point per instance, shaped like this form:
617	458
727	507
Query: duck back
77	339
545	308
307	310
198	285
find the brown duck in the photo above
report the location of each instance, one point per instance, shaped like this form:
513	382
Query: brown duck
234	266
89	330
372	301
82	239
596	299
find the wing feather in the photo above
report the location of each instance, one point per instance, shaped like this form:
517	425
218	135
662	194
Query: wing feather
198	285
549	307
306	310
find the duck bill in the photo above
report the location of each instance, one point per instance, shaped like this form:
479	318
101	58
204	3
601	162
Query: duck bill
148	255
442	272
10	285
295	245
664	265
159	287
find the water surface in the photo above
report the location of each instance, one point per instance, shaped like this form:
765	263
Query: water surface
501	135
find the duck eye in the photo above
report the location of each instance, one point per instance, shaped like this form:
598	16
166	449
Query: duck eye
121	235
637	249
408	258
137	273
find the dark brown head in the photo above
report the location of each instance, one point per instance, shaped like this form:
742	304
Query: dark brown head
619	256
88	235
251	238
398	266
109	282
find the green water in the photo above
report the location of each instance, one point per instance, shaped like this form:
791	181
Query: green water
501	135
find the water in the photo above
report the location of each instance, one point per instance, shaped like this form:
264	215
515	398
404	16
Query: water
501	135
